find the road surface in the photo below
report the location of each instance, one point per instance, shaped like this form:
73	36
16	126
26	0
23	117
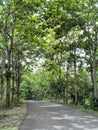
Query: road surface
51	116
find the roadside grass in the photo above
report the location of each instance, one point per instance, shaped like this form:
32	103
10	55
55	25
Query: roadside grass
10	119
83	108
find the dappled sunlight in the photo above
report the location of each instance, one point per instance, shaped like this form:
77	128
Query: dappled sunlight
64	117
54	113
78	126
51	116
58	127
52	105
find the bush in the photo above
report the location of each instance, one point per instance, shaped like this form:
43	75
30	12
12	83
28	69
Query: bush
94	104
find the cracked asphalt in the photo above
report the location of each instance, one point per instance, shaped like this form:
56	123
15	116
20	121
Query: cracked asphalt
50	116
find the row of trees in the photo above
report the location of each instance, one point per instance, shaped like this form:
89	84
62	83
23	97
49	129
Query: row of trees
63	34
16	34
46	85
72	40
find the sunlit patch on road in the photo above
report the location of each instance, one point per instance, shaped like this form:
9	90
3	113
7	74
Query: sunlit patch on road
51	116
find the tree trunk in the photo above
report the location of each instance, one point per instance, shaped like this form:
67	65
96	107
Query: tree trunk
94	64
13	79
67	71
8	93
8	77
3	56
13	89
18	76
94	75
17	86
75	79
2	75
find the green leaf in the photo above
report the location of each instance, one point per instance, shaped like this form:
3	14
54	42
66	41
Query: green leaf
1	46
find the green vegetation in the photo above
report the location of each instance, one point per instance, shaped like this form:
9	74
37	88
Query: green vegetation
49	50
10	119
43	85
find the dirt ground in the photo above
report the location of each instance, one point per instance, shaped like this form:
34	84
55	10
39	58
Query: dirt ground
11	119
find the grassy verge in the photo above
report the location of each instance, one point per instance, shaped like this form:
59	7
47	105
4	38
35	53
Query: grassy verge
10	119
86	109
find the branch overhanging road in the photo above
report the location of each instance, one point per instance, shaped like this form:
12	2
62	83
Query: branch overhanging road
51	116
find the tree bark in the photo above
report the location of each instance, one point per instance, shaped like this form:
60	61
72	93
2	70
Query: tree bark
2	75
75	78
18	76
13	79
94	74
17	85
8	77
67	71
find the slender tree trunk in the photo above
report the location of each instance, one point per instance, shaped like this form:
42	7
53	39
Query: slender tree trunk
8	93
3	55
8	54
18	76
67	71
94	64
13	79
94	75
17	86
75	79
13	88
2	75
8	80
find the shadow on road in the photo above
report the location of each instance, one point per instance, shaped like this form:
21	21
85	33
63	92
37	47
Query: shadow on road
50	116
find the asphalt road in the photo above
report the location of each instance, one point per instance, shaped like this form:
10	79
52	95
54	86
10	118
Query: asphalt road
51	116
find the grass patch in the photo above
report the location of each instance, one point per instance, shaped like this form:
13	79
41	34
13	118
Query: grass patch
10	119
84	108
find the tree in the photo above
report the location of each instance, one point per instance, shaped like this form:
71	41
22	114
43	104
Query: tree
2	73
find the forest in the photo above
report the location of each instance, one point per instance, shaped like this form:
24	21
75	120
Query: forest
49	51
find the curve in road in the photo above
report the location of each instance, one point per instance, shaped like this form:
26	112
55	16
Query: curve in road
51	116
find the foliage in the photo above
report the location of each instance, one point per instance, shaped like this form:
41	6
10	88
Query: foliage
60	37
1	46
